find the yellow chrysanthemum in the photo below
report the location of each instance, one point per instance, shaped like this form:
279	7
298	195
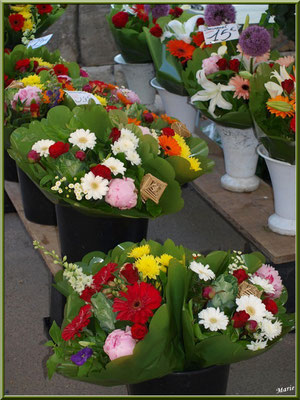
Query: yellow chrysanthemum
102	100
27	25
21	7
148	266
26	14
139	252
164	261
185	150
41	62
194	164
32	80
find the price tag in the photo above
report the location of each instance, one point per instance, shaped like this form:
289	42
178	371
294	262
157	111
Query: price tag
221	33
35	43
80	97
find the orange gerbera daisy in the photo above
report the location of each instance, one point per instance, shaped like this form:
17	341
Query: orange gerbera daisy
168	119
170	145
281	106
134	121
180	49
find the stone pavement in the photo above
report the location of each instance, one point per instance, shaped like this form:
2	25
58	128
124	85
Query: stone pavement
27	295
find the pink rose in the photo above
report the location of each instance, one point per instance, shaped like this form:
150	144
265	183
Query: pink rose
119	344
145	130
26	96
210	64
272	276
122	193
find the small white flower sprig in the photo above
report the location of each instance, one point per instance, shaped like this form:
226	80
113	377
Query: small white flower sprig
237	262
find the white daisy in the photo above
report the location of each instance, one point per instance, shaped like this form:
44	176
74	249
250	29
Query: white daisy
42	147
116	166
133	157
94	186
84	139
253	306
203	271
263	283
213	319
269	329
123	145
128	134
257	345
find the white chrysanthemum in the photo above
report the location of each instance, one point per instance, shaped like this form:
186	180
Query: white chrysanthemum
213	319
133	157
263	283
42	147
123	145
253	306
269	315
116	166
84	139
94	186
127	134
203	271
271	329
258	335
257	345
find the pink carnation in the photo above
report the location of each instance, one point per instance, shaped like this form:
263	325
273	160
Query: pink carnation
122	193
285	61
26	96
210	64
130	95
271	274
145	130
119	344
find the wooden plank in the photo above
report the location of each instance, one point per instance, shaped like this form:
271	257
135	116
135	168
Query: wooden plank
247	212
47	235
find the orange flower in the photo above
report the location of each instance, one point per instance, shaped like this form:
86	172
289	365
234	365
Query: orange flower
168	119
68	86
134	121
170	145
46	99
180	49
123	99
281	106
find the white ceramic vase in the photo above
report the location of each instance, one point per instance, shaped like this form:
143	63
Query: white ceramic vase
177	106
239	147
138	77
283	177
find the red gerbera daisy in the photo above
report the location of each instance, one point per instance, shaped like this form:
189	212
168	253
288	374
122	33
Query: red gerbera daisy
199	40
180	49
60	69
16	21
78	323
140	300
44	8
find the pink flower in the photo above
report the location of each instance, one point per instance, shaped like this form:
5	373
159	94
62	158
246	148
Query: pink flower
83	73
26	96
145	130
285	61
130	95
270	274
119	344
210	64
263	58
241	87
122	193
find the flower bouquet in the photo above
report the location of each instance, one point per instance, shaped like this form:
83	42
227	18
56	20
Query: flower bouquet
145	310
25	22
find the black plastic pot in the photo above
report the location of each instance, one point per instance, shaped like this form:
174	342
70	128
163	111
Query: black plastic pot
37	208
10	168
206	381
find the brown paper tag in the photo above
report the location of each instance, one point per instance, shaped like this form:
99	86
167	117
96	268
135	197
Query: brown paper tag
246	289
15	85
181	129
152	188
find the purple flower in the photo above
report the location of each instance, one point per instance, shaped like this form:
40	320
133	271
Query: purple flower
82	356
217	14
158	10
255	41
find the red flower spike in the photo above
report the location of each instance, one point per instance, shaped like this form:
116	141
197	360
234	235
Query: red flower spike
156	31
120	19
270	305
60	69
80	155
130	273
16	21
58	148
138	331
78	323
288	85
44	8
33	156
222	64
102	170
240	318
234	65
240	275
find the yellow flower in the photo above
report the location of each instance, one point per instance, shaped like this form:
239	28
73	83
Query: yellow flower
194	164
27	25
32	80
21	7
41	62
164	260
101	99
185	150
26	14
139	252
148	266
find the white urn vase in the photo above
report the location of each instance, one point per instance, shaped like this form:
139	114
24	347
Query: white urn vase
283	177
240	156
138	77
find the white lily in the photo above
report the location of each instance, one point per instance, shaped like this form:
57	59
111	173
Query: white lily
282	76
182	31
273	89
212	92
221	51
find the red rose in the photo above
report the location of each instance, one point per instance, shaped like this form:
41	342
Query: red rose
176	12
251	325
120	19
293	124
115	134
222	64
16	21
22	65
200	21
234	65
101	170
270	305
138	331
80	155
240	318
58	148
288	85
60	69
35	110
148	117
168	131
130	273
156	31
44	8
240	275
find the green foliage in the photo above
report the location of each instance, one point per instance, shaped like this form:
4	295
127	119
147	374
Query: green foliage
103	312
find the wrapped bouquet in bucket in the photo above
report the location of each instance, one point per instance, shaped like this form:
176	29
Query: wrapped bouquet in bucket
165	320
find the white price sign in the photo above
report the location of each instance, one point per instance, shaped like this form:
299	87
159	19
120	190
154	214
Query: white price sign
80	97
35	43
221	33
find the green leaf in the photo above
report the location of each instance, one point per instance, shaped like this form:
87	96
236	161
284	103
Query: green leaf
72	308
49	344
153	208
118	117
55	333
52	363
103	312
46	179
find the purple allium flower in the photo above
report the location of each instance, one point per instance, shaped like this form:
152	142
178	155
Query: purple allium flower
82	356
255	41
158	10
217	14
